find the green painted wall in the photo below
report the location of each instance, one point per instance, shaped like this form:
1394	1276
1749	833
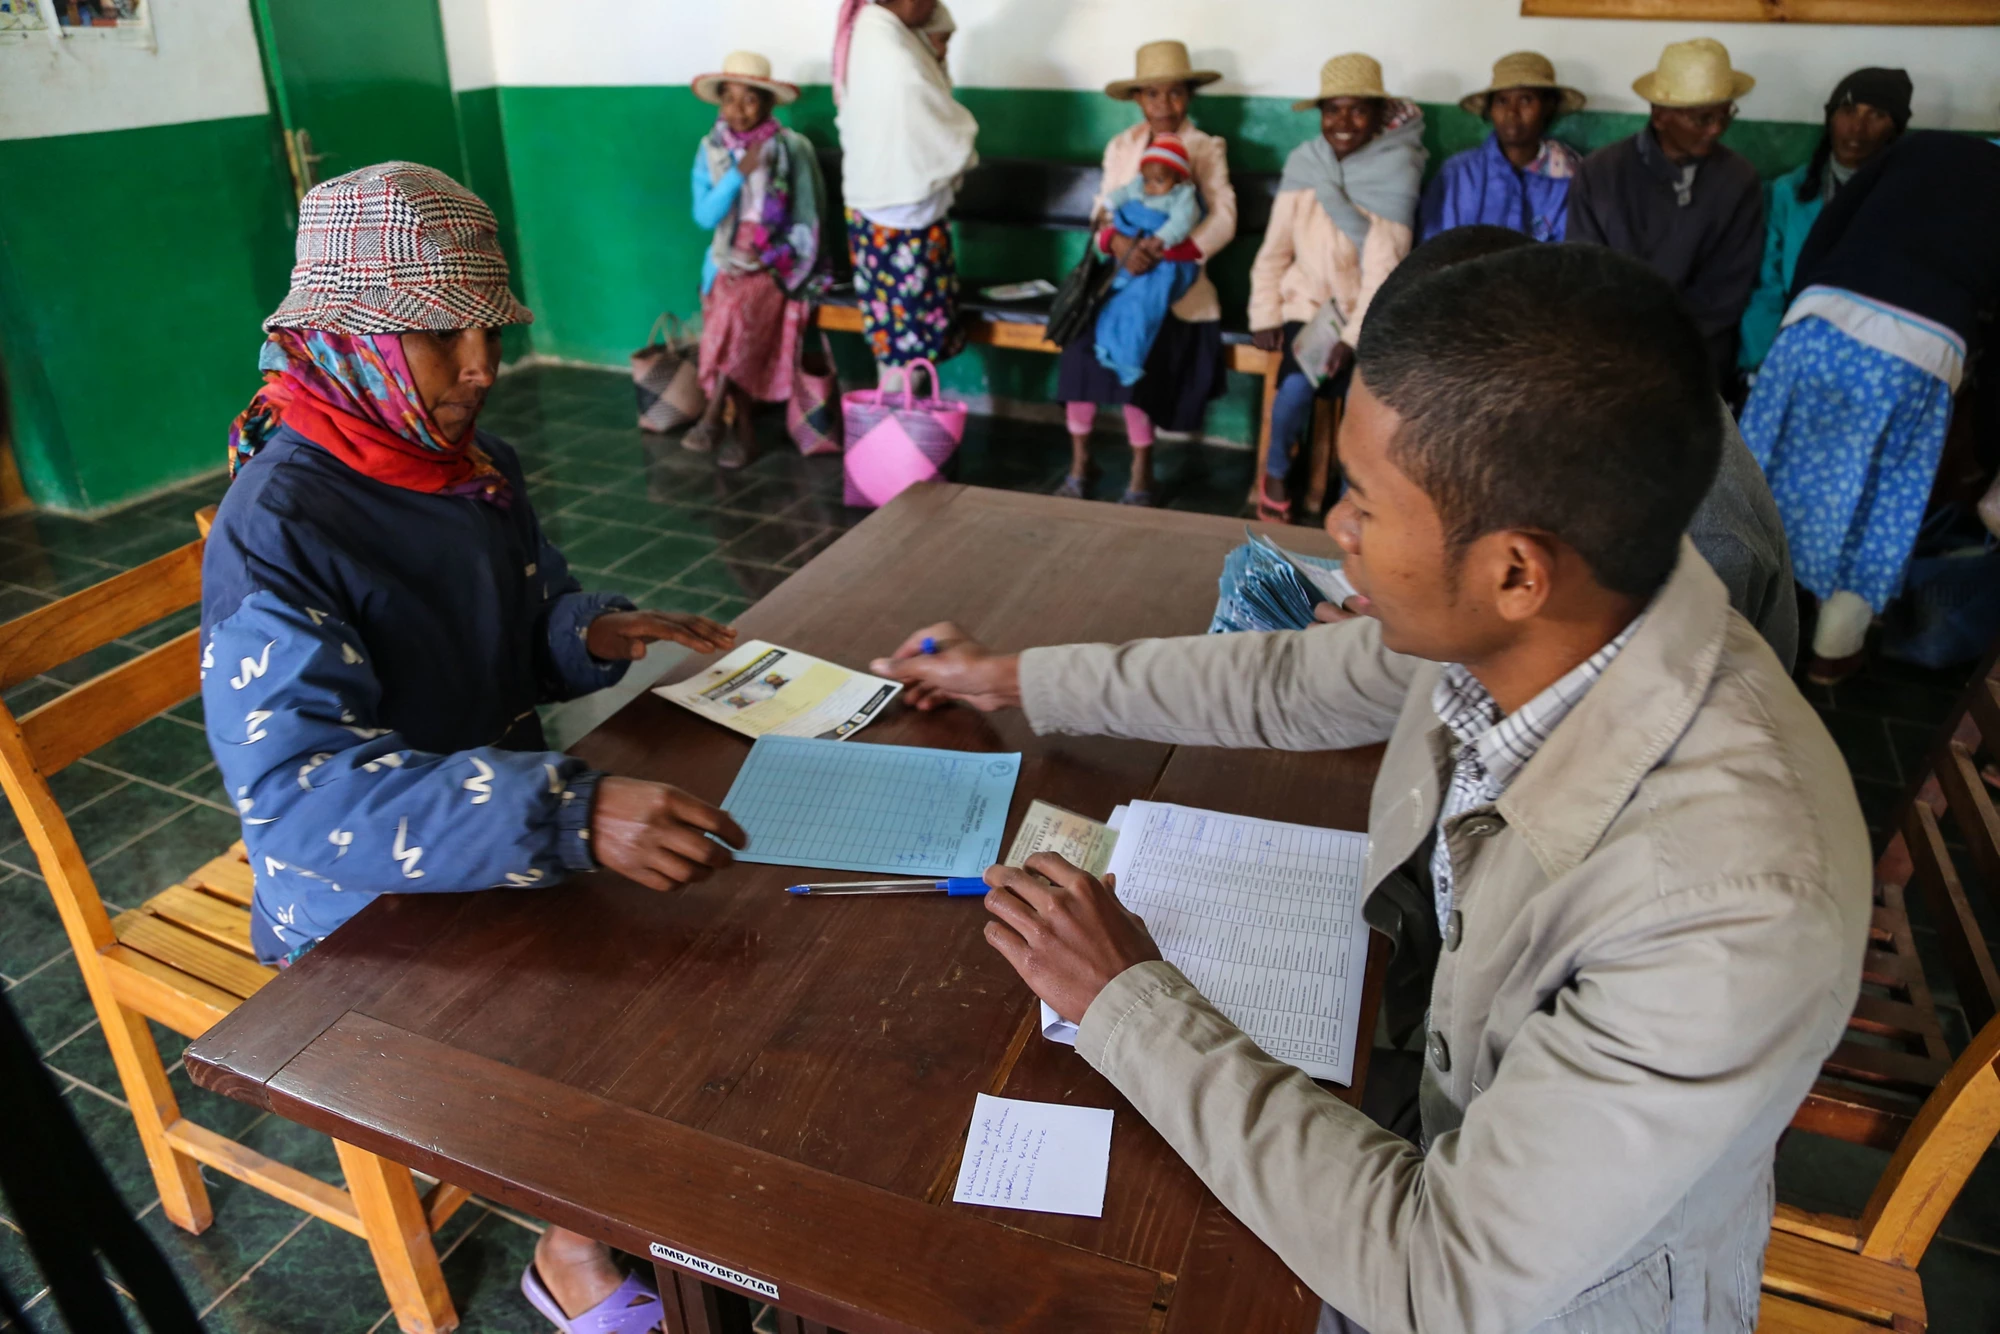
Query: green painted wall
134	269
598	179
487	175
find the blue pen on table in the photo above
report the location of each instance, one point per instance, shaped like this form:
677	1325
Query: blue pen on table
958	887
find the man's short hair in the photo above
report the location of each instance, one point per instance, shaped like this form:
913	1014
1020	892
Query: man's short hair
1475	240
1559	389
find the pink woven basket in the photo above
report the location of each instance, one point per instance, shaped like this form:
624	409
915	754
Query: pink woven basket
896	440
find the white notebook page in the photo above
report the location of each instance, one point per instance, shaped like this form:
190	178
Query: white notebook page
1263	917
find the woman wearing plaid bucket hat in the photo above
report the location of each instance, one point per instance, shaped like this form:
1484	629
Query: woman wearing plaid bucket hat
382	613
757	187
1182	365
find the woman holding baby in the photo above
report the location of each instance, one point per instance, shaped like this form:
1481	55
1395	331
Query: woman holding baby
1182	369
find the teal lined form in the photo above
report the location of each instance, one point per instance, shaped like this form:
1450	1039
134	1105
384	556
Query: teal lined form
852	806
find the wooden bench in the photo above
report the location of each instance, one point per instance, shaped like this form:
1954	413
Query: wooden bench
183	957
1054	196
1895	1054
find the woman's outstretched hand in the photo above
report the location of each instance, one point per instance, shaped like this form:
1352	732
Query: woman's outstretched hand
622	636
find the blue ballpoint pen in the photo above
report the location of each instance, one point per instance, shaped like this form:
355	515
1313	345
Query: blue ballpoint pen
958	887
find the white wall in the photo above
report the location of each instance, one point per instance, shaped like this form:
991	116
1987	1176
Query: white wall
1434	50
468	42
205	67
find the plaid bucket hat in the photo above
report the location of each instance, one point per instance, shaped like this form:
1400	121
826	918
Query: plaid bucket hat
393	247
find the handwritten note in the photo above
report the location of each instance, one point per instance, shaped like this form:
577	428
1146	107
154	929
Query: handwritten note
1036	1155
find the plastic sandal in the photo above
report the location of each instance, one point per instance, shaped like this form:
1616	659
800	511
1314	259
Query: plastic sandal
1071	488
1137	498
1269	510
700	438
634	1309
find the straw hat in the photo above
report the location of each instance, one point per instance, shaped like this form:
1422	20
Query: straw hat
1158	63
1351	75
1523	69
394	247
745	67
1693	74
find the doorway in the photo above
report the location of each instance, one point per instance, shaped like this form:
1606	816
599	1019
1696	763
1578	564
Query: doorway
359	82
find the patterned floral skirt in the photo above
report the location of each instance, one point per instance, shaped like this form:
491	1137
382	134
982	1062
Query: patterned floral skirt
908	285
750	333
1849	437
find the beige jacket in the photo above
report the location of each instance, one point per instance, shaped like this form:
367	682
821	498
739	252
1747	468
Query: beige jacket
1657	939
1210	155
1305	260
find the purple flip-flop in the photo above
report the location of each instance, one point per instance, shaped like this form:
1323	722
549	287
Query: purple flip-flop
634	1309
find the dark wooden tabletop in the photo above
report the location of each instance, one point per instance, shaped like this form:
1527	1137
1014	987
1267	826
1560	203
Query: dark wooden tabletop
782	1085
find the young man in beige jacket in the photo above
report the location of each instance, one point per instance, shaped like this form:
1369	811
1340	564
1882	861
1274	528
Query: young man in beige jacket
1621	860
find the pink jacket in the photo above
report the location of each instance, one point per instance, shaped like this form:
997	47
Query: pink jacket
1305	259
1210	156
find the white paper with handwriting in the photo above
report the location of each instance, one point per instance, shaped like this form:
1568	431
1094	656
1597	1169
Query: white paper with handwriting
1036	1155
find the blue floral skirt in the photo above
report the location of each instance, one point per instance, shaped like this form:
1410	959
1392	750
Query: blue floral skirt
1849	437
907	282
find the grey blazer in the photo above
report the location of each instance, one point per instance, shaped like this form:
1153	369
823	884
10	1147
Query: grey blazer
1657	939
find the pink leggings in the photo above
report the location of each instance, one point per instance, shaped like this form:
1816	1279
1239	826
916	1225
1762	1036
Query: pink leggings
1138	426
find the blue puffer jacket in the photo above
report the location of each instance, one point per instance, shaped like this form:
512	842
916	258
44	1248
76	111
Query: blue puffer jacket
371	662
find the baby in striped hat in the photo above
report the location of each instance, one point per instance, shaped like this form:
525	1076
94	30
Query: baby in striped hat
1162	207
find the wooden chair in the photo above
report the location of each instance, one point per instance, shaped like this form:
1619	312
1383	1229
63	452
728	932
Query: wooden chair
1894	1054
183	957
1833	1275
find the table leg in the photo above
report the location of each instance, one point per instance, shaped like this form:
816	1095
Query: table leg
695	1307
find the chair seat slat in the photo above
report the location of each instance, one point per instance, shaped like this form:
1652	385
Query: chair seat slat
224	923
1822	1275
227	877
215	964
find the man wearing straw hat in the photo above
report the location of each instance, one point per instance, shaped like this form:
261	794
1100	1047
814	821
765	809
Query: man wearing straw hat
1674	197
1519	178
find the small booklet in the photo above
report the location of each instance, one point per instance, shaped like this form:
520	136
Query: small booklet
1077	839
760	689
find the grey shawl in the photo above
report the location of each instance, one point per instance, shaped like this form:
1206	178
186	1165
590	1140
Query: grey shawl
1384	175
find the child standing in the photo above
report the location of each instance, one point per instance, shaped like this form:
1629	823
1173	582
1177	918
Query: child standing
1161	207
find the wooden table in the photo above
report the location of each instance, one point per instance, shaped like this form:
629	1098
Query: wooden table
783	1086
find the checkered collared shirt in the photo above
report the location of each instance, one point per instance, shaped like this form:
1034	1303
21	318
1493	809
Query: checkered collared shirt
1489	750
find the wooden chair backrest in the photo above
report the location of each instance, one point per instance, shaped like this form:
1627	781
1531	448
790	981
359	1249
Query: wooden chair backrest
1956	1126
42	742
1953	797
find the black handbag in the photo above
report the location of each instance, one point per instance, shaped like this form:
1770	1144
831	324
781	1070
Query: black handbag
1073	313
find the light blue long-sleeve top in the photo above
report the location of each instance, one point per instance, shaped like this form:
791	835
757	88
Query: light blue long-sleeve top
1787	224
713	200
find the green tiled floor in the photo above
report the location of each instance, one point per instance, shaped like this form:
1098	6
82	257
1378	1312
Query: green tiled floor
643	517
